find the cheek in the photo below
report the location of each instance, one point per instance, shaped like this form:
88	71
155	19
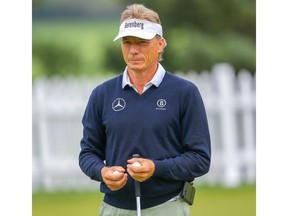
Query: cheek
124	53
153	53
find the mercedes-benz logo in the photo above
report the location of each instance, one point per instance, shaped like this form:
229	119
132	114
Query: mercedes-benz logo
118	104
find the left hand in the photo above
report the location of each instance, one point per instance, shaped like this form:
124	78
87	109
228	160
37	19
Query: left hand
143	172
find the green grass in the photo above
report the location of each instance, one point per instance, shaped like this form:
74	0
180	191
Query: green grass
225	202
214	201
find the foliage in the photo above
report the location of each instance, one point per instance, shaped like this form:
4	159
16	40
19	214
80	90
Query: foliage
57	59
190	49
201	33
113	58
210	17
70	48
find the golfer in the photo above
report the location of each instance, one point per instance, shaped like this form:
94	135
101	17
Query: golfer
150	112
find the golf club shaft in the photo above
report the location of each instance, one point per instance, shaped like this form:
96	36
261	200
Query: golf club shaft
137	192
138	206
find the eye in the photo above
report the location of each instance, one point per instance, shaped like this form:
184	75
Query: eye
144	42
126	42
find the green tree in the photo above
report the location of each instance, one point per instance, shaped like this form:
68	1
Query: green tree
201	33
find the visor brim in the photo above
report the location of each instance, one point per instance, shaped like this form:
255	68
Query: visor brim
138	34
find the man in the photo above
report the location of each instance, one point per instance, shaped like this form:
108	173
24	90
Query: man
146	111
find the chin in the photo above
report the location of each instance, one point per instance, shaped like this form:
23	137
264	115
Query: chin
136	67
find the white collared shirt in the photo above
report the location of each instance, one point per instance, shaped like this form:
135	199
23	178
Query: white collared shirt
156	80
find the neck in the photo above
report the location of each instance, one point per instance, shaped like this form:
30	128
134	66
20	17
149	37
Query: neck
140	78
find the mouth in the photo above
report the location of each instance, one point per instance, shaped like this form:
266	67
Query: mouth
133	61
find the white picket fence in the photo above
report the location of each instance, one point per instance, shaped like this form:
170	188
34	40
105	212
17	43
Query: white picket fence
58	106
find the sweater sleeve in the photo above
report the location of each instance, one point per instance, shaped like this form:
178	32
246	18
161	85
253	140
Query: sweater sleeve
92	153
195	159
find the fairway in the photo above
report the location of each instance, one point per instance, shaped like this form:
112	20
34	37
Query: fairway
214	201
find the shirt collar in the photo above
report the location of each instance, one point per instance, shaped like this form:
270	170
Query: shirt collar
156	80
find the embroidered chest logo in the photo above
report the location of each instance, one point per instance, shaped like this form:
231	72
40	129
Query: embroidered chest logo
161	103
118	104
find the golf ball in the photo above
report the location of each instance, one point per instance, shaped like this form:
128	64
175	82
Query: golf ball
116	172
136	164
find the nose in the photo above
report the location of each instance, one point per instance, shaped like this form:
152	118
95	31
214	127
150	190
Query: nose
134	49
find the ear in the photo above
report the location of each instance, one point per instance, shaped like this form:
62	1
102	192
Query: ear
162	44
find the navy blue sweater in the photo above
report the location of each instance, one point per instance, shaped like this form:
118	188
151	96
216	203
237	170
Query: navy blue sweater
166	124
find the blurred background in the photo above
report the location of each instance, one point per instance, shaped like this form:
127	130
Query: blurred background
211	43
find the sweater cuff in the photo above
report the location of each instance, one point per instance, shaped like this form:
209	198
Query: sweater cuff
97	172
160	168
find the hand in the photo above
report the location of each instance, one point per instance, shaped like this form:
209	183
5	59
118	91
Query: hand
114	180
143	172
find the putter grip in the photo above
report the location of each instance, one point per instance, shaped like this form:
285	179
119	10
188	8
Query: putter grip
136	156
137	184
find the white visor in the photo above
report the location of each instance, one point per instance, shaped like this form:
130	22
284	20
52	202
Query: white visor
139	28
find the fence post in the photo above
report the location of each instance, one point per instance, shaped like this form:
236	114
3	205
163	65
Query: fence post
42	122
224	76
247	101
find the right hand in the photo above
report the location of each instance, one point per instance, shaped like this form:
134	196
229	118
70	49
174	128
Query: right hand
114	181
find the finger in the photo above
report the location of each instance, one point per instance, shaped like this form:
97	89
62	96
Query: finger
134	169
135	160
116	175
118	171
118	168
139	176
116	185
